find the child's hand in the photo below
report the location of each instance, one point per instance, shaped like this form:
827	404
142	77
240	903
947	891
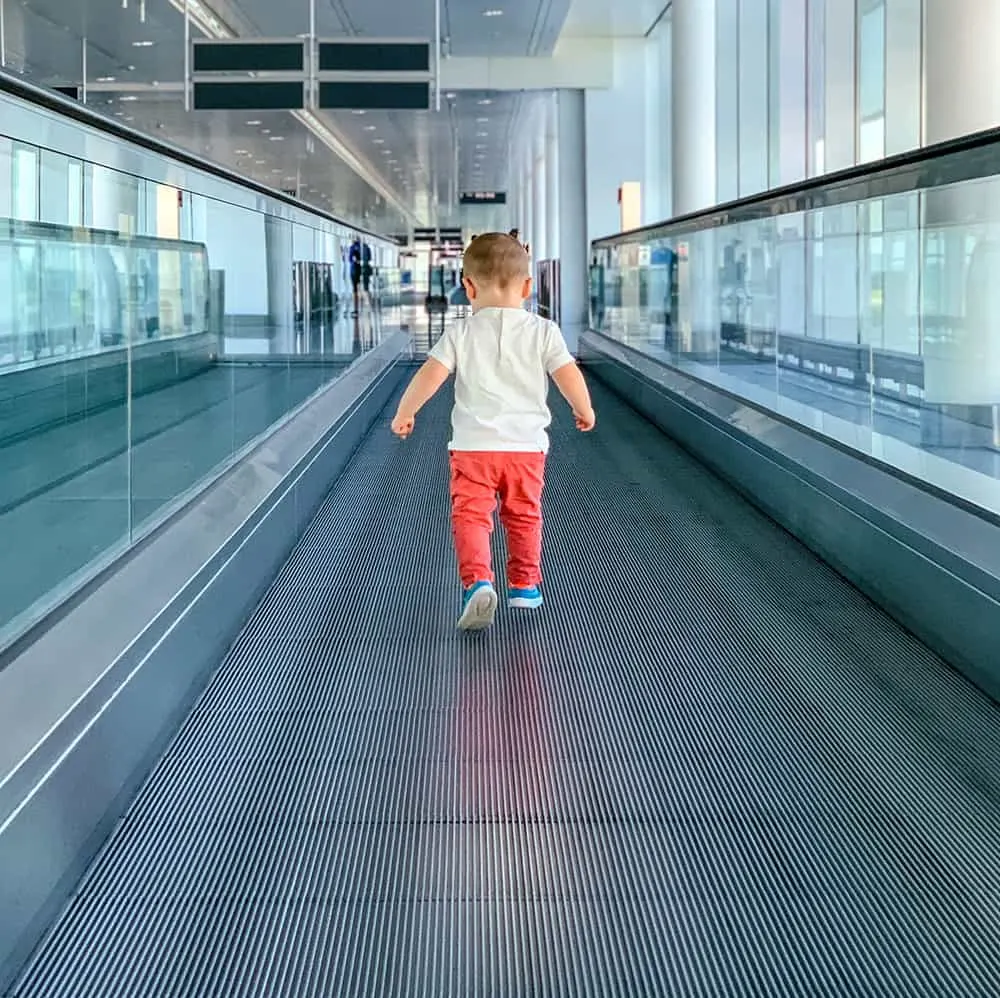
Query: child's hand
585	421
402	426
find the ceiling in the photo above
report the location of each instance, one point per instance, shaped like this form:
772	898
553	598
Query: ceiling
135	64
598	18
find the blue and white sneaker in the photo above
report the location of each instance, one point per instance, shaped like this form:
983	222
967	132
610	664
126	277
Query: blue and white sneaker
525	599
479	607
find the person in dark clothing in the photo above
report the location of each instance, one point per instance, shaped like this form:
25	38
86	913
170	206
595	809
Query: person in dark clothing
361	269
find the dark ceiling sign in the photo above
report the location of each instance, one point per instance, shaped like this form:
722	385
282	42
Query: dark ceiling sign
278	74
351	95
440	237
483	197
348	56
374	74
241	74
248	56
248	95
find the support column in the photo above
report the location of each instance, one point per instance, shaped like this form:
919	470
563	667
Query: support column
572	183
693	76
552	181
962	347
529	199
538	206
280	307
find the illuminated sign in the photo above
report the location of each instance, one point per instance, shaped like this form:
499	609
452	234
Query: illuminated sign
483	197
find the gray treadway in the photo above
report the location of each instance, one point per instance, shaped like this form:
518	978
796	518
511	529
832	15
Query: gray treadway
707	766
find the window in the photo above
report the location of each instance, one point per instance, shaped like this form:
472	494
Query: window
871	80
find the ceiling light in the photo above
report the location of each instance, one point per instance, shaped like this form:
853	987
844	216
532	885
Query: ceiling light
358	112
277	138
242	152
485	103
253	122
482	135
142	45
482	121
130	97
276	171
371	128
378	142
265	131
493	12
105	79
259	162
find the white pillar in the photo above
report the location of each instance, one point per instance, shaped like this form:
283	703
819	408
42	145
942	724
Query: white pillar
962	95
538	248
528	221
693	75
572	182
961	82
552	181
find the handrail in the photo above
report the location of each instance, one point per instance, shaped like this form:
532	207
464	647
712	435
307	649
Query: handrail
52	101
969	157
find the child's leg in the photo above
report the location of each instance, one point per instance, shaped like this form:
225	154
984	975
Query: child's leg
473	501
521	487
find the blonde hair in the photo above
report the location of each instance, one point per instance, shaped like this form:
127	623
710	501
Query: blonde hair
495	258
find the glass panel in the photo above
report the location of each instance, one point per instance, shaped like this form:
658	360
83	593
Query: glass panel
875	322
148	335
25	183
816	86
871	59
64	431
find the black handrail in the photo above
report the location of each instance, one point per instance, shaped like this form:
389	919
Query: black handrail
970	157
52	101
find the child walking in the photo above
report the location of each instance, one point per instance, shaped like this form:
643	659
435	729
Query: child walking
502	358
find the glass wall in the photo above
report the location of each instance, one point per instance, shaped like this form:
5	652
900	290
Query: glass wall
875	322
804	87
147	336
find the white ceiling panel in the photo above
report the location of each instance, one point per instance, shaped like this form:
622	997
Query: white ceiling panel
598	18
424	158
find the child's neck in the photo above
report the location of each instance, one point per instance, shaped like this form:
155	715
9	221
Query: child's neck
497	302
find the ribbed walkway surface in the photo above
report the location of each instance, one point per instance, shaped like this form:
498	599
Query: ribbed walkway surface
707	767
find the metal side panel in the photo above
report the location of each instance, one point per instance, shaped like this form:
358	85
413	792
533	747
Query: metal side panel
59	800
931	564
708	766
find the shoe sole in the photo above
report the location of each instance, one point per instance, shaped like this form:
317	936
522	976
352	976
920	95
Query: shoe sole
479	611
521	603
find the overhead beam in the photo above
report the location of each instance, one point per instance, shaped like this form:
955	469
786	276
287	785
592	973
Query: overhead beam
577	64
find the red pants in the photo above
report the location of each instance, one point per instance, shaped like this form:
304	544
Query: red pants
477	478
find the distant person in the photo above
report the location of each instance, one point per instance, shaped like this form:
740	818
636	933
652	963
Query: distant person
361	269
502	357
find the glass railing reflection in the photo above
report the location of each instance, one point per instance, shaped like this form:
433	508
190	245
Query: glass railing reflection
875	322
122	388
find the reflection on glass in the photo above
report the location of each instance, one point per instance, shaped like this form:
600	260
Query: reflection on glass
877	323
147	336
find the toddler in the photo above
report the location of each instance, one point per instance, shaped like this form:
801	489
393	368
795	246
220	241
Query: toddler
502	357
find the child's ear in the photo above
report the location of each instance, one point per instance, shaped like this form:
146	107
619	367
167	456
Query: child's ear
526	289
470	288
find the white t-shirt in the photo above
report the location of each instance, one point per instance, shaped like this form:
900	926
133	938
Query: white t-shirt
502	359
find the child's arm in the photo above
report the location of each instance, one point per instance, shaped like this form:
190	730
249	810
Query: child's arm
569	381
425	384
